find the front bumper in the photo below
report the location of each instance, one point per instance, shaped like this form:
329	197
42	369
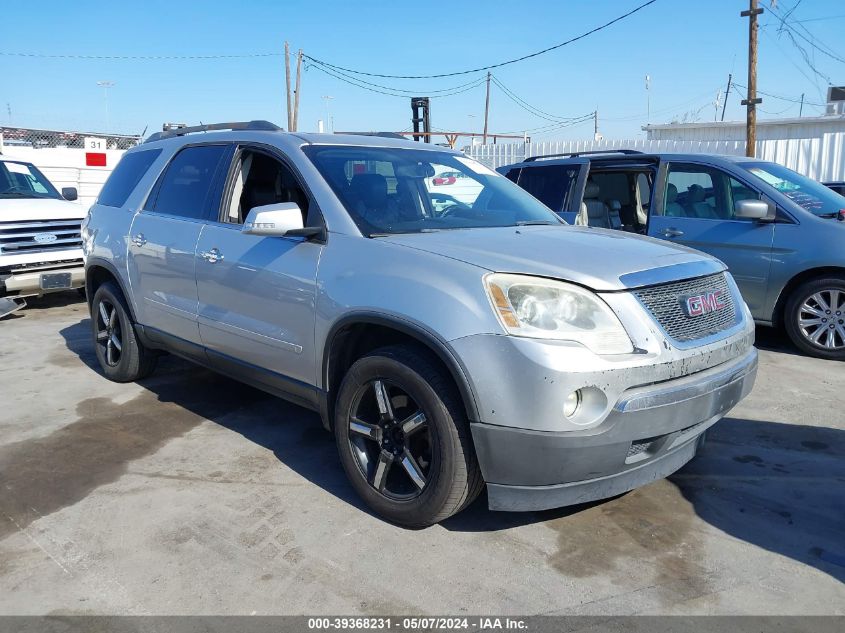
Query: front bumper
650	432
24	283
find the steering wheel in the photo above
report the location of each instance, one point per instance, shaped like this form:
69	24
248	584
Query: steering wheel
452	209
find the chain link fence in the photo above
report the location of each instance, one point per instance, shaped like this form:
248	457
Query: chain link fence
12	137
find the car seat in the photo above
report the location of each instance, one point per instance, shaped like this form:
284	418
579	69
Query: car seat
673	208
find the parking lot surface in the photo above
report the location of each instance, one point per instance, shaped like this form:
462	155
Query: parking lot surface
190	493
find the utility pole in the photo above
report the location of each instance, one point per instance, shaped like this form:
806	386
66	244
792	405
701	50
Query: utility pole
486	110
727	94
751	101
329	123
596	124
105	85
295	126
287	85
801	109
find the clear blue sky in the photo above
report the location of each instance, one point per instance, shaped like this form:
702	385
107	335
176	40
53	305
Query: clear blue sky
687	47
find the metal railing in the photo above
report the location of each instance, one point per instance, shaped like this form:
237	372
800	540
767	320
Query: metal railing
12	137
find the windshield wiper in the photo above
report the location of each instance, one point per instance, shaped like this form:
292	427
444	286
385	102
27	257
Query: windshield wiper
537	223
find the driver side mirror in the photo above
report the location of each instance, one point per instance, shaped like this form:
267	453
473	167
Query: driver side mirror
754	210
283	219
69	193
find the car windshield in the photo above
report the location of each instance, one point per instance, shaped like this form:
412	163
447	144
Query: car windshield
389	190
805	192
23	180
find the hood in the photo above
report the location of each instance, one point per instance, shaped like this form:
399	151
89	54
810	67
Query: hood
597	258
18	209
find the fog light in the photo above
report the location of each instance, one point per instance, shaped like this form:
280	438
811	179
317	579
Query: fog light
571	404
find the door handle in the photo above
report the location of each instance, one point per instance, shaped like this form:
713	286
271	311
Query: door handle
139	240
213	256
671	233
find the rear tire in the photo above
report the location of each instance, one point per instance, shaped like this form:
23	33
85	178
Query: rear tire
814	318
403	437
122	357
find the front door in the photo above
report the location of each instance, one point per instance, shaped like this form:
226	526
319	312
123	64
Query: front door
698	211
163	240
257	294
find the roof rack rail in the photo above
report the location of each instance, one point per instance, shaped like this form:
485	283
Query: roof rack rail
531	159
265	126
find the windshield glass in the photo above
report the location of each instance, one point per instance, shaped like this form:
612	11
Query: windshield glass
23	180
390	190
805	192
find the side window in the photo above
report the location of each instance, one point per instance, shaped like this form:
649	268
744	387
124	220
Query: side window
740	192
696	191
261	179
126	177
185	186
513	174
550	184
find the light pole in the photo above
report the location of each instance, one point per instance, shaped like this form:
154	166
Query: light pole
105	85
648	98
329	123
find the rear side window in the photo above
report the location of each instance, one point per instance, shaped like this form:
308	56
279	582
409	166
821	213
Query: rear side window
550	184
186	184
126	177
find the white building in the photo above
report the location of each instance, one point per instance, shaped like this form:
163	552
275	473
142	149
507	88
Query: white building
767	130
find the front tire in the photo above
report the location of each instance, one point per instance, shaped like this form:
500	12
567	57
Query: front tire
815	318
403	437
122	357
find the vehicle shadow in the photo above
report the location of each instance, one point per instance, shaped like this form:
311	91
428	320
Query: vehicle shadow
294	434
775	340
778	486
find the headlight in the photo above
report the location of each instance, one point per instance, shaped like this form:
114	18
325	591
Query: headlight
543	308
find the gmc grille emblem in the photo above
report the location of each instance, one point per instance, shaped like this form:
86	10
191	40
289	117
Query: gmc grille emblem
705	303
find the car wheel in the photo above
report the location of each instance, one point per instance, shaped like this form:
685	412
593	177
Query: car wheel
403	438
815	318
121	355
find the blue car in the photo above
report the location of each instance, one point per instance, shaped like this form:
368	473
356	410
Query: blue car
780	233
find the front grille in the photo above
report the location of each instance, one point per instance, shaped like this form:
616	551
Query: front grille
20	237
665	303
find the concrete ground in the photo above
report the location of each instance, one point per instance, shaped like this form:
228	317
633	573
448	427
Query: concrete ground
192	494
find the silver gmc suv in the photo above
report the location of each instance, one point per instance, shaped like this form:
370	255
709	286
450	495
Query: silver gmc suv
447	344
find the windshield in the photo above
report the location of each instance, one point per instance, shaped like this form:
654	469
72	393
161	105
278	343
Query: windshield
805	192
23	180
390	190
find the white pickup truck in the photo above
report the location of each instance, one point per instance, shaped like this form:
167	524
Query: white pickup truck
40	241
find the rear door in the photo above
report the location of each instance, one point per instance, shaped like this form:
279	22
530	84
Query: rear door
557	185
697	210
163	240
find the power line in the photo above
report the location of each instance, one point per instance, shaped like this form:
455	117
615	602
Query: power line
136	57
491	66
811	40
417	91
390	92
696	99
555	126
528	107
781	98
